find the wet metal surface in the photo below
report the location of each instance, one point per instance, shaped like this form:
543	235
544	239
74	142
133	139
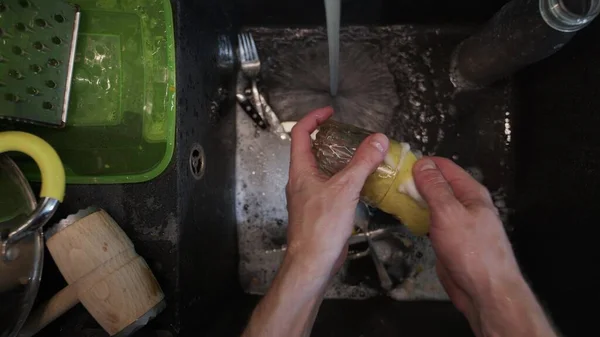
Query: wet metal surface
394	80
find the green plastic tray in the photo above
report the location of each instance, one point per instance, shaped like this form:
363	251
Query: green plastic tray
121	123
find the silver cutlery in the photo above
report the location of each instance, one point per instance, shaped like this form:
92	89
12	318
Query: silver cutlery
249	108
225	58
250	64
273	120
362	221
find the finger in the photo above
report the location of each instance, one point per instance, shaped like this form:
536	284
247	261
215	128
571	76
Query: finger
466	189
364	162
301	157
434	188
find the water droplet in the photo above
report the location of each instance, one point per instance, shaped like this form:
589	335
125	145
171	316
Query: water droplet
47	105
59	18
20	27
56	40
51	84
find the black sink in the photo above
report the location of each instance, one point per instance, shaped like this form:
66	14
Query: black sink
186	227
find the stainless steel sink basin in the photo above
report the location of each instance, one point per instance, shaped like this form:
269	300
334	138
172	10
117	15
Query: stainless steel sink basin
394	79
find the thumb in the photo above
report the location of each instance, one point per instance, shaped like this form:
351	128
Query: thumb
434	187
364	162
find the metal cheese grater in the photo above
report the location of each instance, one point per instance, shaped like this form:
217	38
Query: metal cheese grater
37	51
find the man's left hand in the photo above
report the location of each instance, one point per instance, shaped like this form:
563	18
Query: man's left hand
321	209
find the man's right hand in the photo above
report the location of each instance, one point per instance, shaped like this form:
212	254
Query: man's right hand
476	264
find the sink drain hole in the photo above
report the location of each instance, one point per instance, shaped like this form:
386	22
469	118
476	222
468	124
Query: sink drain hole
197	161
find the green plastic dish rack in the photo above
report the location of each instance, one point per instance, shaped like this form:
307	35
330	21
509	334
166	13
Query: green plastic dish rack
121	122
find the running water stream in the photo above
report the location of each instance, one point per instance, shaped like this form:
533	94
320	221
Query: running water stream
333	12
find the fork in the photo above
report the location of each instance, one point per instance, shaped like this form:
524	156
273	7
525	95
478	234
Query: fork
225	57
362	218
250	64
251	69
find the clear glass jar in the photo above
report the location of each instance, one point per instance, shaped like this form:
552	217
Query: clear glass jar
522	32
391	188
569	15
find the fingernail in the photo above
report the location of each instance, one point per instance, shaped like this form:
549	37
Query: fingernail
380	142
426	164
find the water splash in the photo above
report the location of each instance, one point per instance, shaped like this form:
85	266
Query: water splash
366	95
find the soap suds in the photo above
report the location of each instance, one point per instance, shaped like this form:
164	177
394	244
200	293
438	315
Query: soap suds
409	188
389	161
405	150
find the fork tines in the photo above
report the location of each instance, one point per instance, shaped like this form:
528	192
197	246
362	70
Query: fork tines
248	51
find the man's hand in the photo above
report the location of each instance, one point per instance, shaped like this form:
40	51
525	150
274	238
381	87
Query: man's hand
476	263
321	209
321	216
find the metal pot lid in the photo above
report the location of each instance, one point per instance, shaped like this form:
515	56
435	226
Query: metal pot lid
21	267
